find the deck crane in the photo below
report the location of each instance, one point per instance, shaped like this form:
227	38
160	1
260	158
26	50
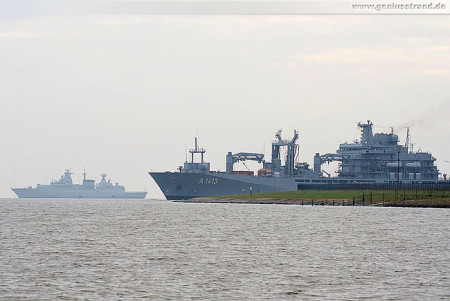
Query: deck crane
234	158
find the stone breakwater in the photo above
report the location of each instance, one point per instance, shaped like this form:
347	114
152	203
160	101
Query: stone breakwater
433	203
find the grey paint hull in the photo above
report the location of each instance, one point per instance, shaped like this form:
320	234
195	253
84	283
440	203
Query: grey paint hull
181	186
76	193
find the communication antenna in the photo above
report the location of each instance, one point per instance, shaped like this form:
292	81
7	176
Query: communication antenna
185	149
407	138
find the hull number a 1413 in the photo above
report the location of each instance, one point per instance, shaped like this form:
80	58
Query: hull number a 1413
212	181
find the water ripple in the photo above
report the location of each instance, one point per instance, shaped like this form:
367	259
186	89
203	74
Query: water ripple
131	249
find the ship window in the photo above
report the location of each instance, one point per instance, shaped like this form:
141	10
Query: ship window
179	187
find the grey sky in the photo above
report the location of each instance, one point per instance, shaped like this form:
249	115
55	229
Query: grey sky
124	94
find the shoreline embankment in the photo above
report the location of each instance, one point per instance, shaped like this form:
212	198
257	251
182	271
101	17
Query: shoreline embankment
420	203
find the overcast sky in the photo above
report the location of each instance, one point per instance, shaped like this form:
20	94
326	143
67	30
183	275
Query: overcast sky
126	94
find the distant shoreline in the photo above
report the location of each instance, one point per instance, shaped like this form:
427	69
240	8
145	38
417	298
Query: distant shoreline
431	203
376	198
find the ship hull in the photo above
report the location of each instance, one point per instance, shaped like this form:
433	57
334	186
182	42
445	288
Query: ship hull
183	186
75	193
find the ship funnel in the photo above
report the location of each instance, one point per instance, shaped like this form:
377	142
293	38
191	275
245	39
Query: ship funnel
366	132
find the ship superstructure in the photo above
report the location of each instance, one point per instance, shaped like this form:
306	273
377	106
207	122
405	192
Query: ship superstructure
379	157
64	188
375	158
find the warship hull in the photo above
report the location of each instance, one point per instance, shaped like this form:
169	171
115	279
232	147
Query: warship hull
74	193
183	186
64	188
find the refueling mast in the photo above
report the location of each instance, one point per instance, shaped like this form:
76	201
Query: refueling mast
271	168
292	151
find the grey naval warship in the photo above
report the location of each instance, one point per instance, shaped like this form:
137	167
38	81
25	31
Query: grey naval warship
64	188
375	159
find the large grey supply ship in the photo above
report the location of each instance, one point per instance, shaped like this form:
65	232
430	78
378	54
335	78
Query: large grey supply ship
375	158
64	188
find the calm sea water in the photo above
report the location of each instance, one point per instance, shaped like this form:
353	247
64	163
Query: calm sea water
133	249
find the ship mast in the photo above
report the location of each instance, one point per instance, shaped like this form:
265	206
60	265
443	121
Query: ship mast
197	150
407	142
